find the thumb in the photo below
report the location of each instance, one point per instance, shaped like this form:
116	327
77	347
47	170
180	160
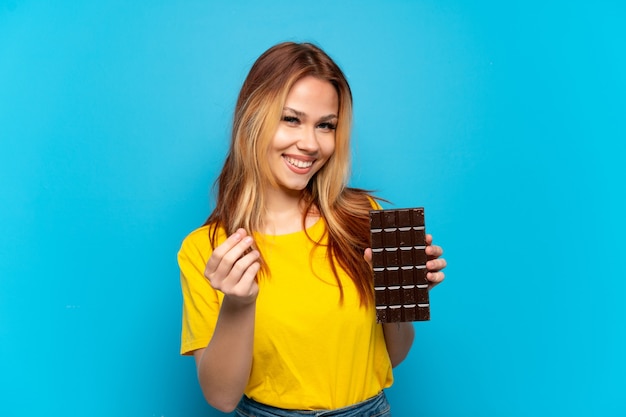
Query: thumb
367	255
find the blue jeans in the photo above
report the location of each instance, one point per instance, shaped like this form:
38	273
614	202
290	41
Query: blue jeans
374	407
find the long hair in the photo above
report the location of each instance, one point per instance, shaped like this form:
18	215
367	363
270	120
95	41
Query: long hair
245	174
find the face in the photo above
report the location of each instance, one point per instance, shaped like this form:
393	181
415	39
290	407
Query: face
305	138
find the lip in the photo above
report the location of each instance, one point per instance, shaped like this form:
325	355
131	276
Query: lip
289	159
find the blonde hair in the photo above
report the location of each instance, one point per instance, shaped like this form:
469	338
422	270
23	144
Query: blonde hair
246	173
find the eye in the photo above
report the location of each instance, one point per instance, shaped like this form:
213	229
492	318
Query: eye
291	120
327	126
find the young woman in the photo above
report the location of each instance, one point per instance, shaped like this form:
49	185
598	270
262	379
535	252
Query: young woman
277	286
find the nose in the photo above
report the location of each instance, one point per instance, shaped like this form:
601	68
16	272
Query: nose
308	140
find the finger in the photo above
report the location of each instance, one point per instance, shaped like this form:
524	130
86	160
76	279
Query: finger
434	251
220	265
435	265
435	278
367	255
248	285
240	268
221	250
242	247
231	257
429	239
247	289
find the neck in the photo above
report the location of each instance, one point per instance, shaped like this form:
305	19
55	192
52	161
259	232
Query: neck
283	213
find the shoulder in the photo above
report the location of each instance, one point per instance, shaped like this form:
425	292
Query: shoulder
374	204
361	199
198	242
198	238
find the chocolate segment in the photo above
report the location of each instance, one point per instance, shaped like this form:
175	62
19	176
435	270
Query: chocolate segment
399	262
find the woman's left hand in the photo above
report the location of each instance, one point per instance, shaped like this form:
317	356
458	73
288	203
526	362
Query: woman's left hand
435	263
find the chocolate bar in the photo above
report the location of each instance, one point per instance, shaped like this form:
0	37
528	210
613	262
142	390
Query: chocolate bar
399	262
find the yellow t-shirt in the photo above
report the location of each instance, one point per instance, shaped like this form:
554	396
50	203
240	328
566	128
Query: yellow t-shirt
310	352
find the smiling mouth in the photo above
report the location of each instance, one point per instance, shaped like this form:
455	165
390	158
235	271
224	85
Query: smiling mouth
298	163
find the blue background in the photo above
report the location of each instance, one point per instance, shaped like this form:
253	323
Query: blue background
504	119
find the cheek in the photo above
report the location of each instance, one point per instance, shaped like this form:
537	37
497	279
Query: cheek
280	140
328	147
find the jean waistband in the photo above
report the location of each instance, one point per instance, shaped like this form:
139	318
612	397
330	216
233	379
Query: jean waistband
375	406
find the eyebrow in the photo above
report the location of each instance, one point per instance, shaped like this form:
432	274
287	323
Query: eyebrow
301	114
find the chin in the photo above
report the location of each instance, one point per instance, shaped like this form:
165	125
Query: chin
293	188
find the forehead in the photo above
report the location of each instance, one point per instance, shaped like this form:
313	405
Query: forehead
313	95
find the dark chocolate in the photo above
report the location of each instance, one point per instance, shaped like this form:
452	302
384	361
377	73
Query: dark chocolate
399	262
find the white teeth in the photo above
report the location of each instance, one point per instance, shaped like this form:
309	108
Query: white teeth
298	163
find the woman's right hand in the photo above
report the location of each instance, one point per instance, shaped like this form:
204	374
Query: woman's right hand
224	364
233	271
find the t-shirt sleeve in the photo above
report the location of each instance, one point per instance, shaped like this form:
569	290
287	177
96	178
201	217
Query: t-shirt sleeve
201	302
374	204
